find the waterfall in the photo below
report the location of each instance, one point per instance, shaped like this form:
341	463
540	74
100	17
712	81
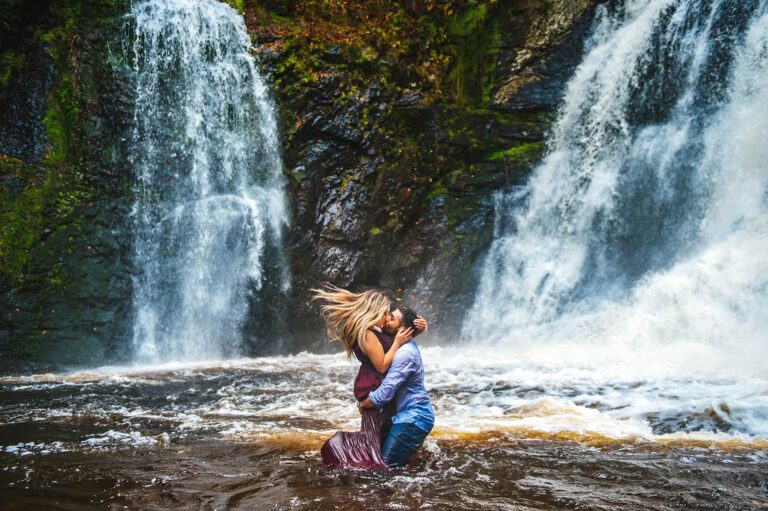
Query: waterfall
209	207
643	234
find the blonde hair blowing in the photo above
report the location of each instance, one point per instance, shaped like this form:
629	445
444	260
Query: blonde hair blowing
348	315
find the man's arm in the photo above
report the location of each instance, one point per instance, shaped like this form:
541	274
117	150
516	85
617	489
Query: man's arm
400	370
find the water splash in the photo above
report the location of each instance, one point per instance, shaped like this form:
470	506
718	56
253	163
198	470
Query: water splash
209	206
641	238
475	392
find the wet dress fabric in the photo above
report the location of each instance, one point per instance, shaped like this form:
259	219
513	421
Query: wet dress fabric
362	449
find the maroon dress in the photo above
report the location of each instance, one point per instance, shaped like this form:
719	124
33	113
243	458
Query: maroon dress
362	449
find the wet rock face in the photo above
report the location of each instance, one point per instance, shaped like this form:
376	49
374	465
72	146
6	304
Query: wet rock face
392	184
22	107
65	273
534	64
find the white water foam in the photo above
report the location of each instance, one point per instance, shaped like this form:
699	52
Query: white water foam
474	391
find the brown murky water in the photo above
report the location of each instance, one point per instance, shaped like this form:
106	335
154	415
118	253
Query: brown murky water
247	436
497	473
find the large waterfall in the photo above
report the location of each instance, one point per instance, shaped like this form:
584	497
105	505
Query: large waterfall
642	238
209	206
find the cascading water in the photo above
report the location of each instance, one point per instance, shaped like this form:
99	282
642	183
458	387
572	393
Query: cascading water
208	208
641	239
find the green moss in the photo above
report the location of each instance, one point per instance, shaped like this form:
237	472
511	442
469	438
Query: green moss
61	121
475	36
238	5
297	69
282	19
296	175
446	50
40	210
375	231
346	179
21	222
368	54
519	153
437	190
10	61
467	22
44	209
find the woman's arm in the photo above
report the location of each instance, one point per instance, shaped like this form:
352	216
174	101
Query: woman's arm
402	368
375	353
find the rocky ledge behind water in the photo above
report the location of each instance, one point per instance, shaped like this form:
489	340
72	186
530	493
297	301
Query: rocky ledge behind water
396	132
395	156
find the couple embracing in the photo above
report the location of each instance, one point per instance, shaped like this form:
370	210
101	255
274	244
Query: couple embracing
389	387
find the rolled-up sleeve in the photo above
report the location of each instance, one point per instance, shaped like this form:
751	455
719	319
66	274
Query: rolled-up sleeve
397	374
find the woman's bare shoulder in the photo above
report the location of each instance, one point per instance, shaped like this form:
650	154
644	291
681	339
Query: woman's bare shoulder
369	337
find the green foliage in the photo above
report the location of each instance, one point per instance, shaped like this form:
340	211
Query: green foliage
445	49
10	61
438	190
238	5
475	37
41	212
519	154
297	69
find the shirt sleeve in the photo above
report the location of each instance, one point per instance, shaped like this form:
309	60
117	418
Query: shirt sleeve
397	374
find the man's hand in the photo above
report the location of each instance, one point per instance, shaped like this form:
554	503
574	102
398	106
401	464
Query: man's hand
420	324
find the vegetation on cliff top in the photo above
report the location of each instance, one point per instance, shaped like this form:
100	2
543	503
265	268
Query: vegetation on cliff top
445	49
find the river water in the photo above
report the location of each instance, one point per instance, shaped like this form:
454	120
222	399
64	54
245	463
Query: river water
510	434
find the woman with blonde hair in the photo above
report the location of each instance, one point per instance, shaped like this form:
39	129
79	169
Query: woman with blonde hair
356	320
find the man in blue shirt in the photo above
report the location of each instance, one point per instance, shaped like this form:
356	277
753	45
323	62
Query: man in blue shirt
404	383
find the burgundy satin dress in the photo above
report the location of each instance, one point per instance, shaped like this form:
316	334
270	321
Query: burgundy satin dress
362	449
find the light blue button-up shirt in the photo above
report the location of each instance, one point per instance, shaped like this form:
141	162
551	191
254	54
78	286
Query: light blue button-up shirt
404	383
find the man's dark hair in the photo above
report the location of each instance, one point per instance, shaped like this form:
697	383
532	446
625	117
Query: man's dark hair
409	315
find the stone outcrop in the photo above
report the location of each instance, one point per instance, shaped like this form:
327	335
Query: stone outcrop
393	172
65	294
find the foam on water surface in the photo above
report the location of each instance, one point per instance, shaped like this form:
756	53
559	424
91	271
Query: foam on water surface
476	393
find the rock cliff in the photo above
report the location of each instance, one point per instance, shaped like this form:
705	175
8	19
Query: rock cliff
399	122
